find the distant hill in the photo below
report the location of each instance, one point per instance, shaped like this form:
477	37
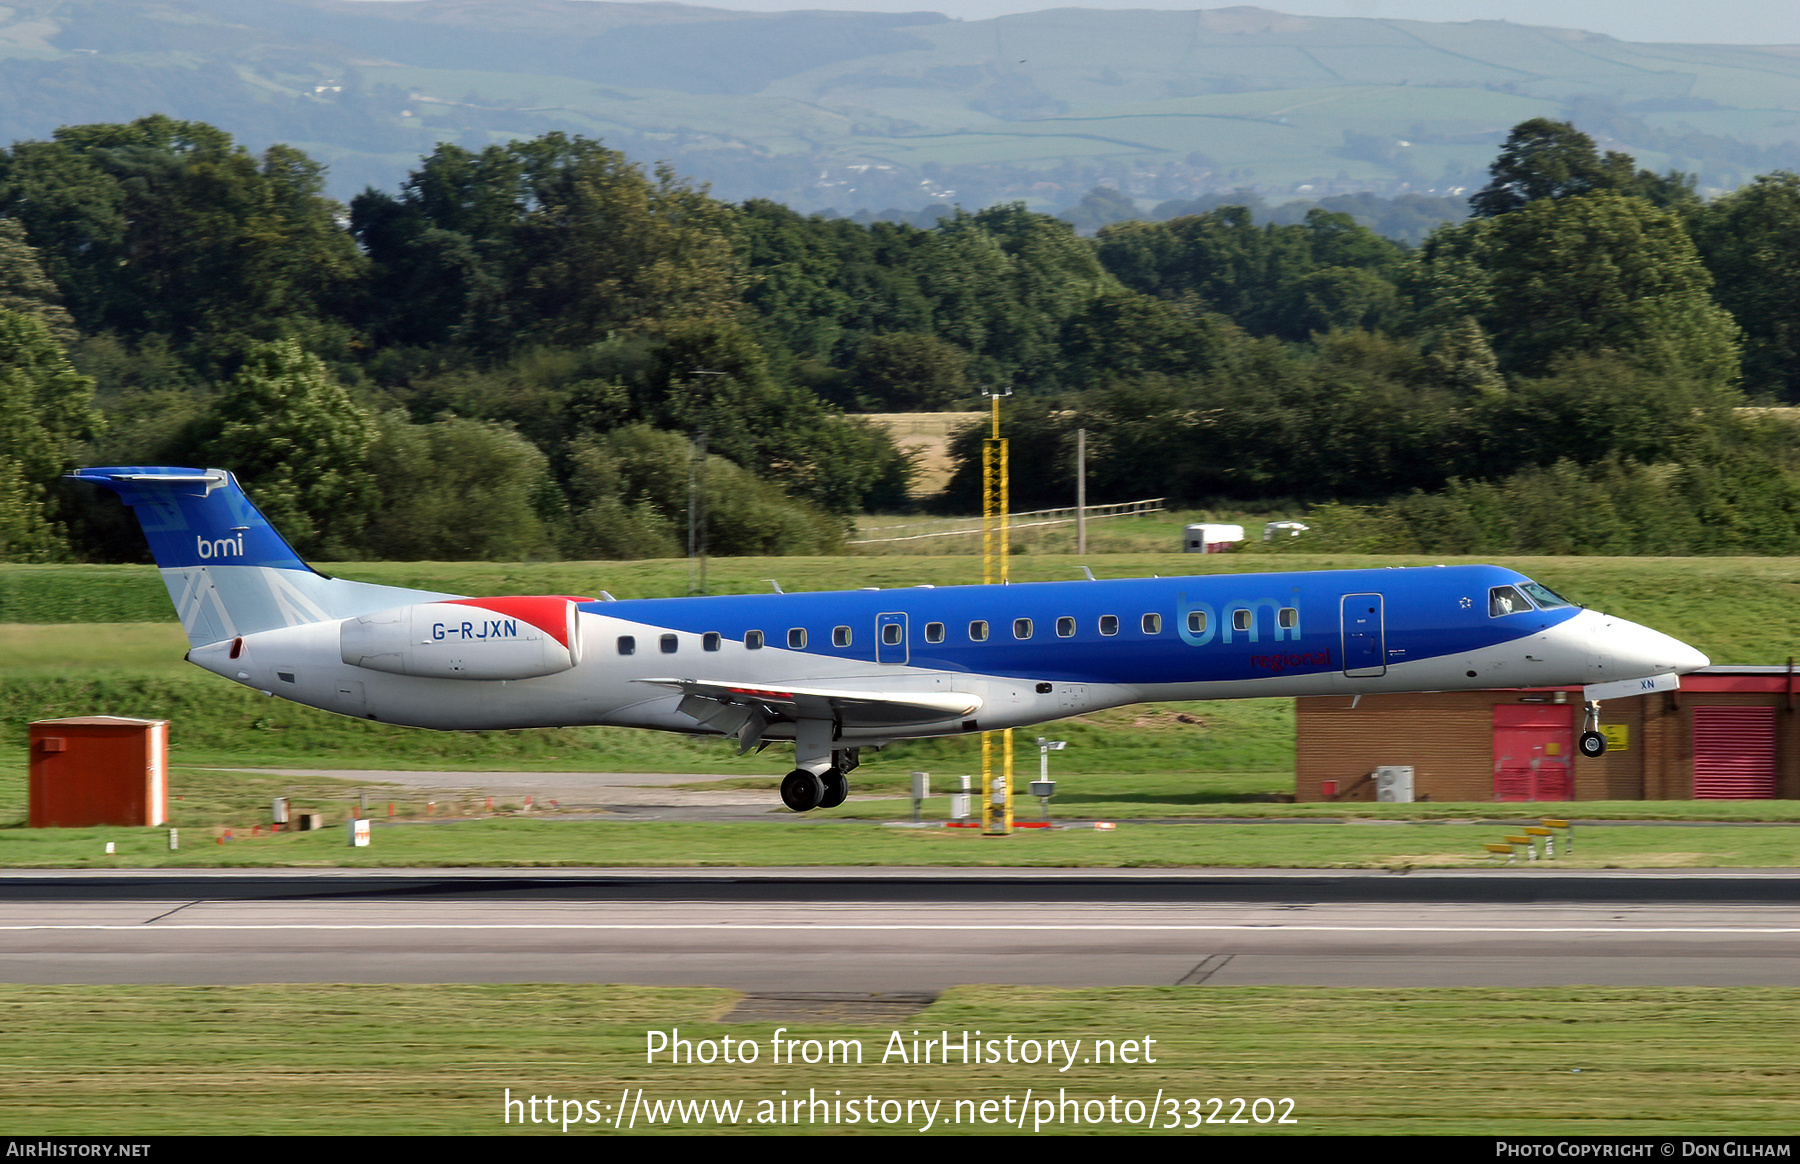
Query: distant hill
871	110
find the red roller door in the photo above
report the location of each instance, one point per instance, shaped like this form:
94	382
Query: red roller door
1734	753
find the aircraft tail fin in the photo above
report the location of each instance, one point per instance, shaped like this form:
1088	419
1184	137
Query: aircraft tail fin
228	571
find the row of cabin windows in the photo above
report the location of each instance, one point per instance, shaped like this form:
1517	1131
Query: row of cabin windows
1287	617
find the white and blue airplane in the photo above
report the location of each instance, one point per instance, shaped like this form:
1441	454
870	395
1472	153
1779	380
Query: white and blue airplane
840	671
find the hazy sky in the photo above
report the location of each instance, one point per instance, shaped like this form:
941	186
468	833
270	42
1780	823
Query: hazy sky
1717	22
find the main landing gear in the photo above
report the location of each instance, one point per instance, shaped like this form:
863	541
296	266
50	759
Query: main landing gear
1591	742
803	790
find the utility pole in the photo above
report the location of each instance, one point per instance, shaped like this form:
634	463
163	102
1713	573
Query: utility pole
1081	491
697	512
696	547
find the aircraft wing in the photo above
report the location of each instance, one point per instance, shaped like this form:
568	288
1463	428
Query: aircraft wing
745	709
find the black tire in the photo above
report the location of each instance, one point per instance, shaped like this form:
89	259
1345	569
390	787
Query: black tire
1593	745
837	788
801	790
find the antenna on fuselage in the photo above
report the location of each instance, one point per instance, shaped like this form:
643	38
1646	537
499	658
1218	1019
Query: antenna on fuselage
776	585
1090	574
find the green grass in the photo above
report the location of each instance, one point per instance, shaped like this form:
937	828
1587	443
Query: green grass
34	651
389	1060
785	840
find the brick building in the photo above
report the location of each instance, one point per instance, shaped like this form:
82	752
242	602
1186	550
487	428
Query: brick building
1729	733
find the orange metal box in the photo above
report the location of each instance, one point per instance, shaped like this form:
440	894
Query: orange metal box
99	770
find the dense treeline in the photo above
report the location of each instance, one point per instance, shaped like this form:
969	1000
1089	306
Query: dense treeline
539	349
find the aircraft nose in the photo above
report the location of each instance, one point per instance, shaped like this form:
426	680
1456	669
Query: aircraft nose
1639	651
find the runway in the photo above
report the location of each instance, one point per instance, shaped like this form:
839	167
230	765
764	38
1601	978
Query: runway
873	931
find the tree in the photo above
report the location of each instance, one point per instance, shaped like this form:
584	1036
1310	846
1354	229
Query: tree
1546	159
1750	242
168	226
25	535
1460	359
1123	334
456	490
1585	274
46	415
1603	272
46	407
629	493
908	372
1286	280
300	446
555	240
25	288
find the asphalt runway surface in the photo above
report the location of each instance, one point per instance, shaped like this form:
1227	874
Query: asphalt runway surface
862	931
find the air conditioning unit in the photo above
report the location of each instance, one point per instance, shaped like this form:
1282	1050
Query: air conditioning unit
1394	784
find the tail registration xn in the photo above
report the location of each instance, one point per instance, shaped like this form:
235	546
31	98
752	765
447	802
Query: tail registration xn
837	672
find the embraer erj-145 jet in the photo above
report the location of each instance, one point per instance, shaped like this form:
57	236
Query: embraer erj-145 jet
841	671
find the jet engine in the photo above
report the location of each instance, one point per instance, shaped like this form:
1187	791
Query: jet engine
470	638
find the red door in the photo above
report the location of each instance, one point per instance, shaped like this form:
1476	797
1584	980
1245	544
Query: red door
1533	743
1734	753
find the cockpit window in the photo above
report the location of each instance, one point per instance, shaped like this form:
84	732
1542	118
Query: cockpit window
1546	598
1504	600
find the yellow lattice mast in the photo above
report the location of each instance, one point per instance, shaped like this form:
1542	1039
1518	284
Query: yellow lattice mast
996	510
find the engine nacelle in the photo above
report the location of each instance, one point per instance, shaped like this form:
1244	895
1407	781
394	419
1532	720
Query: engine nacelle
467	638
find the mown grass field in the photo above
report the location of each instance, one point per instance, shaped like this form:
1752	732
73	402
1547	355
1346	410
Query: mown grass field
548	842
389	1060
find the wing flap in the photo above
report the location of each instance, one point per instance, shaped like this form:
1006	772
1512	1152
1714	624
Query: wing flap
849	706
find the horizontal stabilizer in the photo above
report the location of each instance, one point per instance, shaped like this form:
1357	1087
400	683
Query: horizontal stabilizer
228	571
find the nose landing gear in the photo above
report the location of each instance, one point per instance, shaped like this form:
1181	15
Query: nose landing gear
1591	742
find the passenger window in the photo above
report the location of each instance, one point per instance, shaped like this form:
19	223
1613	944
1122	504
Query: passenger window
753	640
1065	627
1109	624
1153	624
627	645
1196	622
978	631
797	639
1240	620
890	634
710	641
1289	617
669	644
934	632
1503	600
1021	628
840	636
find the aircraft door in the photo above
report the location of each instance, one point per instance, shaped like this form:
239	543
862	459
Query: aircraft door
1365	636
890	638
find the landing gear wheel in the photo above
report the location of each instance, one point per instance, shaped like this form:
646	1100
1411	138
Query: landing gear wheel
1592	744
801	790
836	788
